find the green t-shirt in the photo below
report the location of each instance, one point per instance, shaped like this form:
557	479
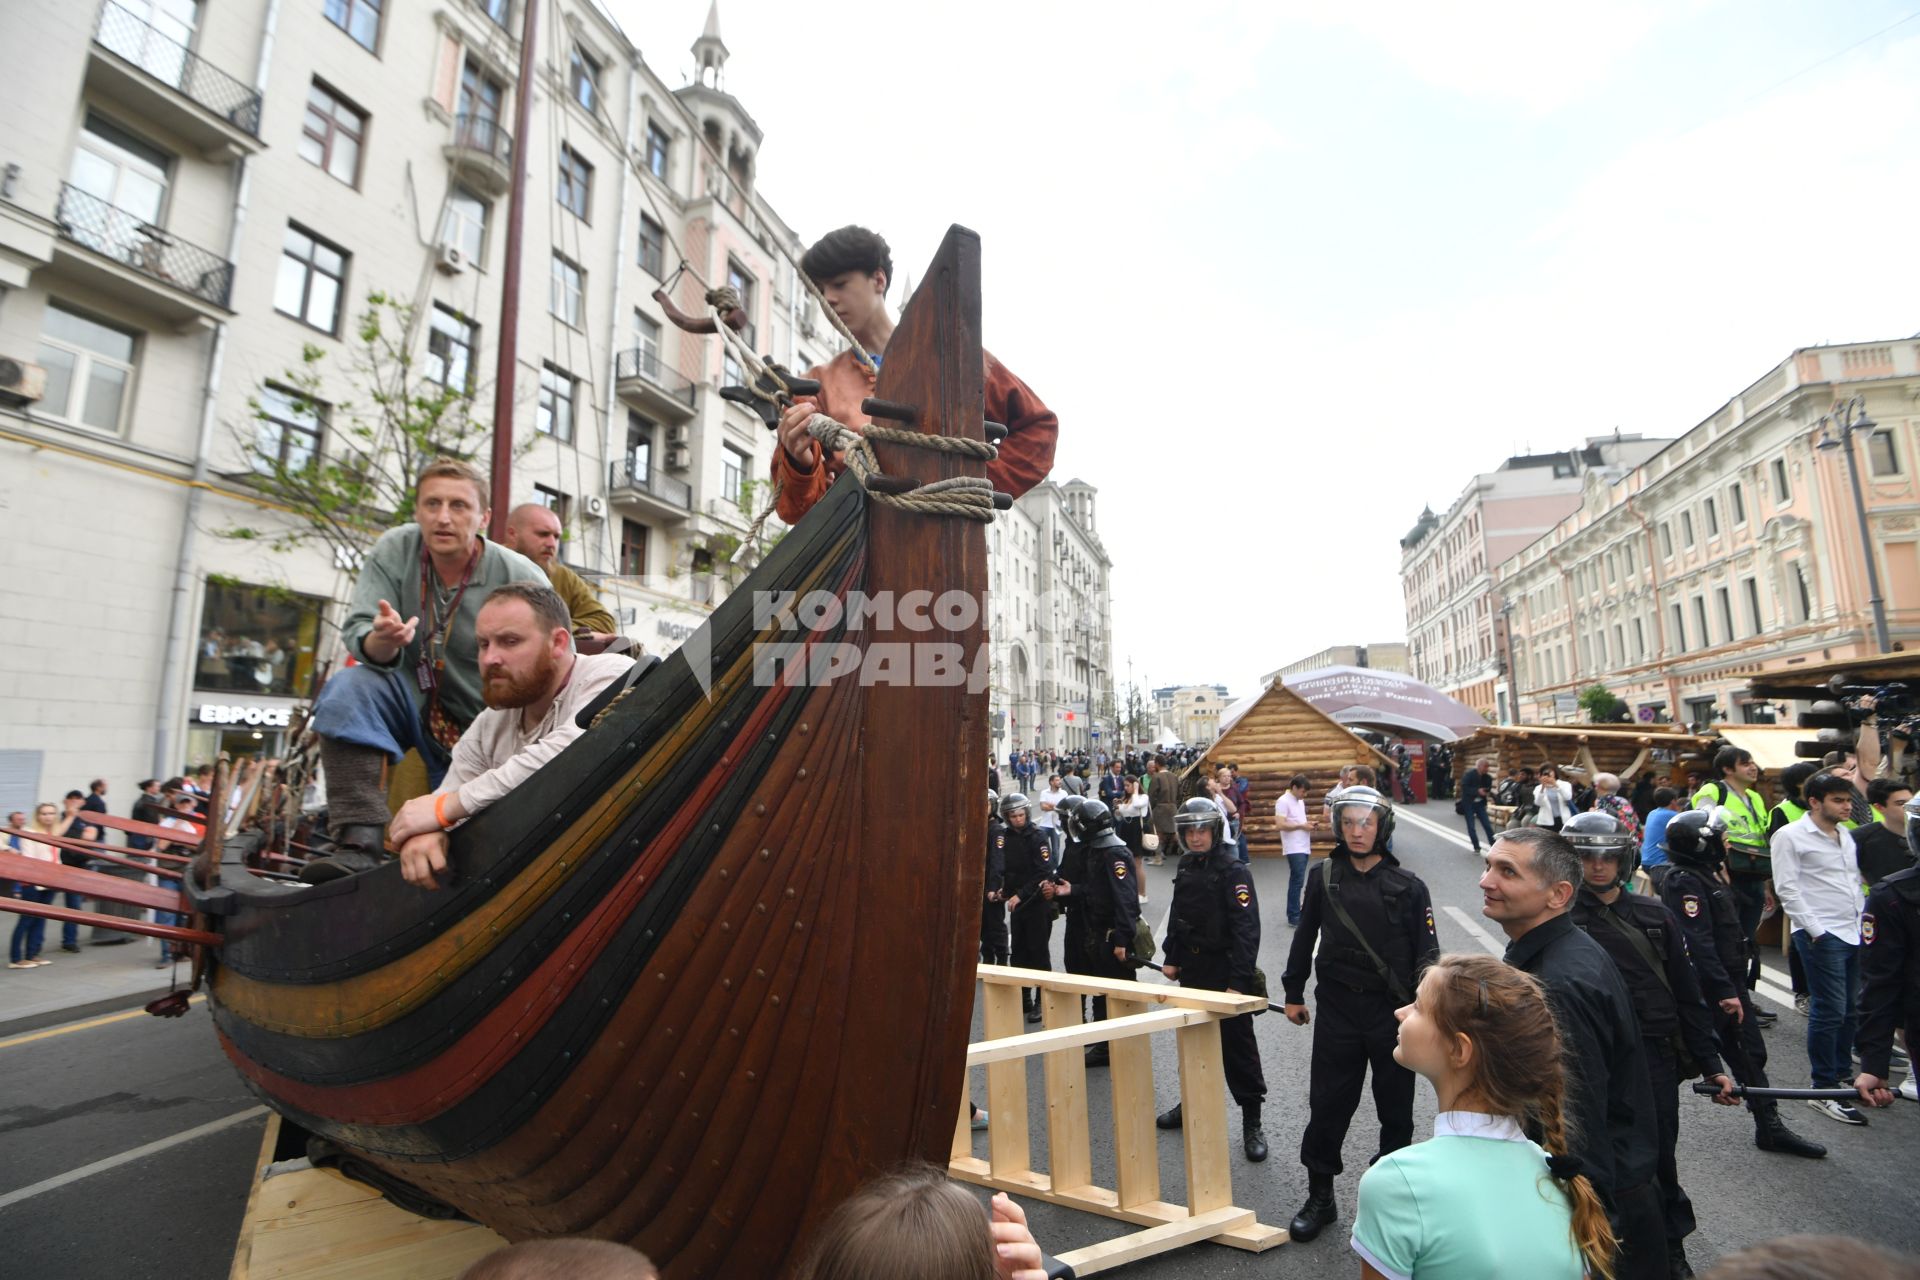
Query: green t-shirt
1473	1201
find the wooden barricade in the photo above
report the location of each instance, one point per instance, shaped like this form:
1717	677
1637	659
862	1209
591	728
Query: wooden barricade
1135	1011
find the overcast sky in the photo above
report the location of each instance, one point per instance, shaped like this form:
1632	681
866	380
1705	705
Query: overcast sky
1289	272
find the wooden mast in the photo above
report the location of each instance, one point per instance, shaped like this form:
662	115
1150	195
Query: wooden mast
504	363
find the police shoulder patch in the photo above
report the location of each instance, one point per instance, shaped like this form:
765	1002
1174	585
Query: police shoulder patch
1691	905
1000	842
1119	868
1243	894
1866	929
1430	928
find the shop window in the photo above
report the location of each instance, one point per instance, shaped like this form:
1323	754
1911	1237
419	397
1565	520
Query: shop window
257	640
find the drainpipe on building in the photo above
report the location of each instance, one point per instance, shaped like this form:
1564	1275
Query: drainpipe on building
179	612
615	420
1659	609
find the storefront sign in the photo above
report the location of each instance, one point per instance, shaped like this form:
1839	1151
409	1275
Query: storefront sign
266	717
675	631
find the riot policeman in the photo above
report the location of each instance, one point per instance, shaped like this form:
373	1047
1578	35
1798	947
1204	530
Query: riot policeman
1373	920
1028	854
1889	973
1708	911
993	897
1676	1030
1102	901
1213	943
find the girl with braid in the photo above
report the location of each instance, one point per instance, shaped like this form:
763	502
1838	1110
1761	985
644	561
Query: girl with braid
1481	1198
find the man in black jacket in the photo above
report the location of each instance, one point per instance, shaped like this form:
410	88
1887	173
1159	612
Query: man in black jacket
1373	920
1529	885
993	894
1029	862
1676	1031
1102	900
1889	981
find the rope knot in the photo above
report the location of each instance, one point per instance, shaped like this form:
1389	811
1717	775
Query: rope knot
724	299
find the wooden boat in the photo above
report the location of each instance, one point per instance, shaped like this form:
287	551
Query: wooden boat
711	967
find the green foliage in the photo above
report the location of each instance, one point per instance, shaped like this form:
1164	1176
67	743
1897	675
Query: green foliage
1602	707
383	421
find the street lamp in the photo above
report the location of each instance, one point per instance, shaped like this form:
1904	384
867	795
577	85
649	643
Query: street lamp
1848	418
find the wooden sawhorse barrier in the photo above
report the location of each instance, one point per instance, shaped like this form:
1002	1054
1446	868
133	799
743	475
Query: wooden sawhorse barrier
1135	1010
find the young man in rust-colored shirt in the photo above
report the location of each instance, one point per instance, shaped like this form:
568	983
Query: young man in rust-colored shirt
852	268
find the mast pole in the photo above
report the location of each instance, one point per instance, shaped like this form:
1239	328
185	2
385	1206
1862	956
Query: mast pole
505	361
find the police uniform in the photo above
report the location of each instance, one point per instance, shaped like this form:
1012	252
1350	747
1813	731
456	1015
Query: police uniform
1213	935
1749	855
1708	912
1029	860
1648	946
1103	907
1354	1026
1889	968
993	910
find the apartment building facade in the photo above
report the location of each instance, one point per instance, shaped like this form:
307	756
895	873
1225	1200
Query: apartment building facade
198	201
1191	712
1447	562
1391	656
1734	550
1051	621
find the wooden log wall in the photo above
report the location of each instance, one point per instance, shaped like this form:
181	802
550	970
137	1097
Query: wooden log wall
1277	738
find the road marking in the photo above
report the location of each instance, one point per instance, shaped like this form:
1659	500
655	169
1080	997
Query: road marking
1428	824
1472	926
12	1198
87	1025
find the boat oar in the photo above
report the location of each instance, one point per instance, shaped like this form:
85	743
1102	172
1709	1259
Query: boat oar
1755	1091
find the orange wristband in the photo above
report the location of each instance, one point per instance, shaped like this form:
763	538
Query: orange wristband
439	815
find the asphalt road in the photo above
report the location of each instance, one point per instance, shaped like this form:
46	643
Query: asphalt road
126	1142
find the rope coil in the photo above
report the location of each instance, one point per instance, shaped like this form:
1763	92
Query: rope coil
959	497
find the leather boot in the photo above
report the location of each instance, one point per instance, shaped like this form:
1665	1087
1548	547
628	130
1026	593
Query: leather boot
1678	1268
1252	1140
1030	1003
1770	1134
1098	1055
356	847
1318	1212
1168	1119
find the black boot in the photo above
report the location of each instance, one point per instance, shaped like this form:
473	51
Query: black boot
1769	1134
1252	1140
1030	1003
1168	1119
356	847
1318	1212
1677	1265
1097	1055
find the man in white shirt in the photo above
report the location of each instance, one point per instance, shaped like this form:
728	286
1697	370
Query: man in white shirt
1296	840
1816	877
534	685
1049	819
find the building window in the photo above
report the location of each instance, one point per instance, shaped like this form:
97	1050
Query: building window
1679	629
499	10
731	374
554	501
583	79
659	144
450	341
633	548
1666	539
1626	551
465	225
1619	644
741	283
1737	499
1803	595
257	640
1882	458
646	340
1700	621
566	298
1750	588
703	575
358	18
1713	519
131	176
89	369
734	469
313	276
639	447
555	415
287	431
575	185
1686	528
1639	640
653	248
1782	493
479	103
1724	599
331	134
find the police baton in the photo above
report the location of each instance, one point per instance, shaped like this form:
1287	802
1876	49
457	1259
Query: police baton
1754	1091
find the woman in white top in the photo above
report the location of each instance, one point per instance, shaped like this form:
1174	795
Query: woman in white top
1130	820
1480	1198
1553	798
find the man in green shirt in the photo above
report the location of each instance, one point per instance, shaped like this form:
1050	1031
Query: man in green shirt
410	630
534	531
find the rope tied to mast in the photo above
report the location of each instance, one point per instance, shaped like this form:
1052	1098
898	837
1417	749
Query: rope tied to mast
958	497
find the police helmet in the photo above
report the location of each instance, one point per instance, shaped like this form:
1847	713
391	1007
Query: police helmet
1197	813
1068	811
1362	800
1698	838
1596	834
993	801
1013	802
1090	818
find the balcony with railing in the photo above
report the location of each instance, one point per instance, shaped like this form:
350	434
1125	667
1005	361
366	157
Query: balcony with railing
645	381
171	279
481	149
139	66
647	490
